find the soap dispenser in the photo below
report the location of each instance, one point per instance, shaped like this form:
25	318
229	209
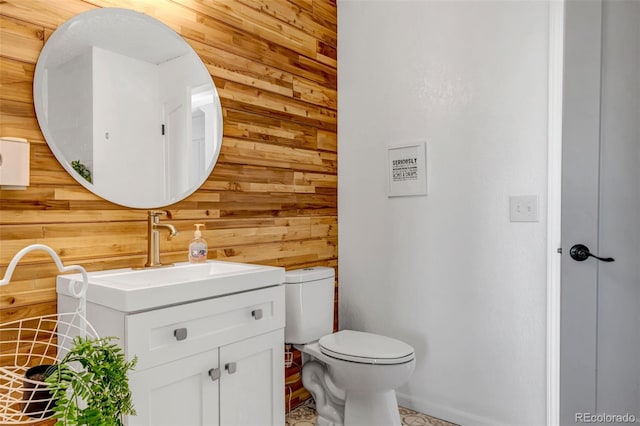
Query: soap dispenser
198	247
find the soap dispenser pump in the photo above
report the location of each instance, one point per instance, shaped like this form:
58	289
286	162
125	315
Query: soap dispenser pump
198	247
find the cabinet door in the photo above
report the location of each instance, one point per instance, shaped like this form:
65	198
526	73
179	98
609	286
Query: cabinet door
252	383
177	393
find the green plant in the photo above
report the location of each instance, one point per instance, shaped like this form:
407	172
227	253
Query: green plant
96	394
82	170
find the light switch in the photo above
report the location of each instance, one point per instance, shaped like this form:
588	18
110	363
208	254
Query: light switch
523	208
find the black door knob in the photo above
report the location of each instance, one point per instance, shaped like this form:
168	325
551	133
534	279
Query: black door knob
580	253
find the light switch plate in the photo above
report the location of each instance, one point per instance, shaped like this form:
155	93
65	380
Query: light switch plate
523	208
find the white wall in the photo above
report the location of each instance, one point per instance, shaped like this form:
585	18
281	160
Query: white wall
448	273
69	108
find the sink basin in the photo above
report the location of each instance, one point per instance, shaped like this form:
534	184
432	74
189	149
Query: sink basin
133	290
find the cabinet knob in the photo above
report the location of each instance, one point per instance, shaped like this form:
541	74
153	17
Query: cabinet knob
256	314
180	333
214	373
230	367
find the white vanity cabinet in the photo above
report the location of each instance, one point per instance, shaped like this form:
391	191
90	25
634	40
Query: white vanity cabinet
217	361
236	384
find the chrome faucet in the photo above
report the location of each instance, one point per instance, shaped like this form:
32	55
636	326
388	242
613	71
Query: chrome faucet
153	239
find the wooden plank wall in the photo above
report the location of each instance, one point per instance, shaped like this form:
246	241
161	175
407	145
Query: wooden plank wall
272	197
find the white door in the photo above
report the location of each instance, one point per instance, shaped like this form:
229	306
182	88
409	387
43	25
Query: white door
252	383
177	393
600	301
177	143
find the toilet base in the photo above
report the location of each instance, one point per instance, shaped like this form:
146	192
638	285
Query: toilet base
321	421
329	399
371	409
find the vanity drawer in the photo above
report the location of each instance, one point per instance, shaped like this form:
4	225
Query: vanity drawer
167	334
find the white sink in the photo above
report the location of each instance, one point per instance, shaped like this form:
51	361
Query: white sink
132	290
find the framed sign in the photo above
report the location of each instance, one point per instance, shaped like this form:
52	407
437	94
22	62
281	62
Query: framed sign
407	167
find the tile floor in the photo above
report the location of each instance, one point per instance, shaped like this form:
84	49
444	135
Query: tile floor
305	415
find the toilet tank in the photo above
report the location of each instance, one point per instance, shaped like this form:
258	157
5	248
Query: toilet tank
309	304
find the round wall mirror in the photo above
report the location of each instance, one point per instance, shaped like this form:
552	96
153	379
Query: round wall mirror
128	108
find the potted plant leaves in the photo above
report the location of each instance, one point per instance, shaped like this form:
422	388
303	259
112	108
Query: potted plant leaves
82	170
90	385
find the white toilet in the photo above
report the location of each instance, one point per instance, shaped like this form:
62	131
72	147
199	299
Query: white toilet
352	374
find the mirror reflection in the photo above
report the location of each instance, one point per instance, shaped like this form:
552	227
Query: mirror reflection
128	108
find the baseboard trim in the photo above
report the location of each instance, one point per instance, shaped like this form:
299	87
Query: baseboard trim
443	412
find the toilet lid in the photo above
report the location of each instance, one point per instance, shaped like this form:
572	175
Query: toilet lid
366	348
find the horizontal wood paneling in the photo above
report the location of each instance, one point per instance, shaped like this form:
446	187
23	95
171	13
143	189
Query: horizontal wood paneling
272	197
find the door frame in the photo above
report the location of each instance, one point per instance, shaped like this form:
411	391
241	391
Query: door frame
554	206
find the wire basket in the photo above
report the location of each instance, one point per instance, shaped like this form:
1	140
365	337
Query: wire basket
27	344
34	344
288	359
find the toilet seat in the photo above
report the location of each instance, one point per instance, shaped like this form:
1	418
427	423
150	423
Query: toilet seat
365	348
